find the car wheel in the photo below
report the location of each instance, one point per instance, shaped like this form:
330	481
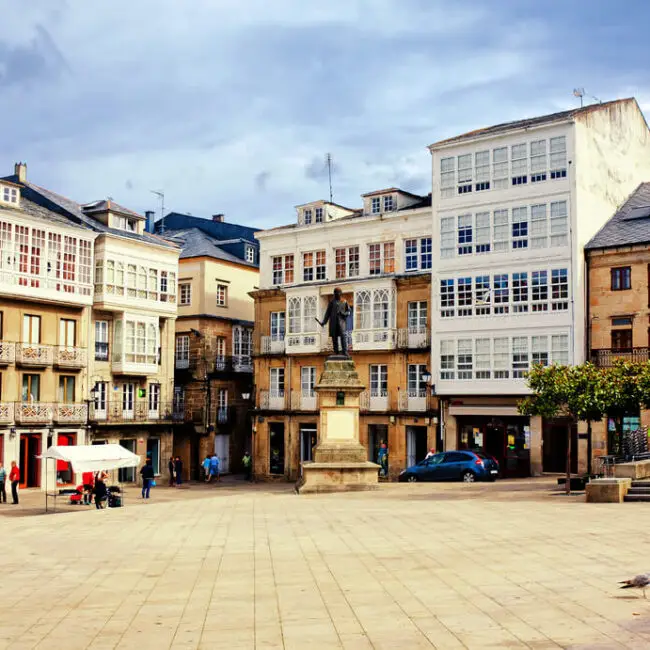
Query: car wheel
412	478
468	477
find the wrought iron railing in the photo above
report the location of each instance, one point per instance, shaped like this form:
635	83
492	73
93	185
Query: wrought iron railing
272	400
606	357
413	400
121	411
101	351
304	400
414	338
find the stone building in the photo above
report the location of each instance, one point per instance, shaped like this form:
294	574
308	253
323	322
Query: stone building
219	266
513	206
380	256
618	294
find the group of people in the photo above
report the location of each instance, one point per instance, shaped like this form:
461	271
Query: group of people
211	466
14	479
175	466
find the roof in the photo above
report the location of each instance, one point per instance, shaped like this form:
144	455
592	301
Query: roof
562	116
391	189
196	243
219	229
629	225
324	202
109	205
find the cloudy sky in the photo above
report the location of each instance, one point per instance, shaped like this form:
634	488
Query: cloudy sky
231	105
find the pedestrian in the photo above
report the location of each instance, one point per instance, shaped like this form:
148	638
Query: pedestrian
178	467
88	481
172	471
3	479
247	461
147	478
100	490
206	468
382	459
14	478
214	467
432	452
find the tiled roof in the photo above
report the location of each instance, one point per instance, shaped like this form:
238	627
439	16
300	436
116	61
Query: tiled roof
391	189
530	122
219	229
196	243
629	225
109	204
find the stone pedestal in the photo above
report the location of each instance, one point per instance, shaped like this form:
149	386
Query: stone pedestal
340	460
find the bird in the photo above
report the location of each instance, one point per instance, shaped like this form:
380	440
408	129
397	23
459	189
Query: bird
642	581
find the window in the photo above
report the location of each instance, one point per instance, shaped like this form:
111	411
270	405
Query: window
464	296
539	350
307	267
416	386
375	205
501	356
318	215
447	176
482	359
621	278
282	269
183	350
242	341
250	254
559	223
537	161
520	292
519	162
538	226
501	293
447	360
277	325
31	388
464	359
222	404
520	227
101	391
9	194
482	232
622	340
559	289
378	380
321	265
295	309
417	316
185	293
465	234
501	232
500	167
31	329
381	311
447	237
417	254
66	389
389	203
465	173
163	282
558	157
67	332
560	349
482	294
154	398
381	258
539	289
363	311
411	254
519	356
306	216
482	164
277	382
307	381
346	262
447	298
221	350
101	340
222	295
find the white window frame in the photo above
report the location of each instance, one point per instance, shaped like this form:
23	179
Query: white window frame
417	316
389	203
279	275
415	384
347	260
378	380
278	325
184	294
375	205
222	295
276	382
182	350
307	381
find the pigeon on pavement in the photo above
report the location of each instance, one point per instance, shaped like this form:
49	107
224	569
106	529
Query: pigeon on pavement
642	581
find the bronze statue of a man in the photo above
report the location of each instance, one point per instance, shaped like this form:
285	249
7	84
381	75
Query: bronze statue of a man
337	313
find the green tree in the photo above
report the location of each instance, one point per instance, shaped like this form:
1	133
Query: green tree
574	392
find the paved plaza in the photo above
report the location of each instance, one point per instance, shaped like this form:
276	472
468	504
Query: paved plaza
510	565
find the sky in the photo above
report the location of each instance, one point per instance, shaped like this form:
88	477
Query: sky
230	106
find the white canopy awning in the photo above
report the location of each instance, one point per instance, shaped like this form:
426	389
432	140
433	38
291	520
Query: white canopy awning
92	458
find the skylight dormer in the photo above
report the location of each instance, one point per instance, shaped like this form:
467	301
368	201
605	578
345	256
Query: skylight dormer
9	194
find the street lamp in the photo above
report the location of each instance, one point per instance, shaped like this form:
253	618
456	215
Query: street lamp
246	396
426	377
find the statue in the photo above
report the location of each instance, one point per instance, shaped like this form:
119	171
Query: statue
336	314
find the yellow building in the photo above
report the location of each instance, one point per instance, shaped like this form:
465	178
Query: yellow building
214	329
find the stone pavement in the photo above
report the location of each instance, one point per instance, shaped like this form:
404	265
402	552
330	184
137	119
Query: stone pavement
409	566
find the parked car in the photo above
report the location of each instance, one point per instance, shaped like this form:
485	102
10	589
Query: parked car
467	466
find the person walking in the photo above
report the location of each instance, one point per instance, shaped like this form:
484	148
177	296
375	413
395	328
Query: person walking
206	468
147	477
14	478
3	481
88	481
100	490
178	470
247	461
382	459
214	467
172	471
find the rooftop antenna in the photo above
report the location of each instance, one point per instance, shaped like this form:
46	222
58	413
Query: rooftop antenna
328	162
161	195
580	92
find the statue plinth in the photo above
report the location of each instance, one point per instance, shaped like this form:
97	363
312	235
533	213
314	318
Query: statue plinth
340	460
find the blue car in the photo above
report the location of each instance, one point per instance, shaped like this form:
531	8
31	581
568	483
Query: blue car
467	466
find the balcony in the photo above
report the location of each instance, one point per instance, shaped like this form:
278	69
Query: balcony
35	355
6	412
119	413
242	363
413	338
7	353
272	345
374	401
272	400
70	357
413	400
606	357
182	413
301	343
304	400
101	351
182	364
135	363
70	413
374	339
34	412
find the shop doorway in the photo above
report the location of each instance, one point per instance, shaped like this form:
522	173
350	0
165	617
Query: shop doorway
127	474
416	445
222	449
153	452
64	471
554	437
276	448
29	464
308	441
377	433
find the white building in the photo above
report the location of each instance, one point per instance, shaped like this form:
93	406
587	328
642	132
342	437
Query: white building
513	206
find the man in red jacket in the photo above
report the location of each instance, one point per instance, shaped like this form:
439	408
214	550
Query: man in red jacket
14	478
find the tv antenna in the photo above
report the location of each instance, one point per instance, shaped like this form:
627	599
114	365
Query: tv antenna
328	162
580	92
161	195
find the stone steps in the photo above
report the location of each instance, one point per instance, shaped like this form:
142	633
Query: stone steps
639	492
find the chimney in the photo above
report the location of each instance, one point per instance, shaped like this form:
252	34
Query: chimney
218	218
20	170
149	215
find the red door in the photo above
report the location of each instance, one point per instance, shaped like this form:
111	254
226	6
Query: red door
29	464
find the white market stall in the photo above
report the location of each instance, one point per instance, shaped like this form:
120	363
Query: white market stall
90	458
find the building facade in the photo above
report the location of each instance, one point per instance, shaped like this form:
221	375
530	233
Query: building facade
513	207
618	294
380	257
219	267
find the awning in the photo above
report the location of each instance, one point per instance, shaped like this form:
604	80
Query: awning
484	410
92	458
